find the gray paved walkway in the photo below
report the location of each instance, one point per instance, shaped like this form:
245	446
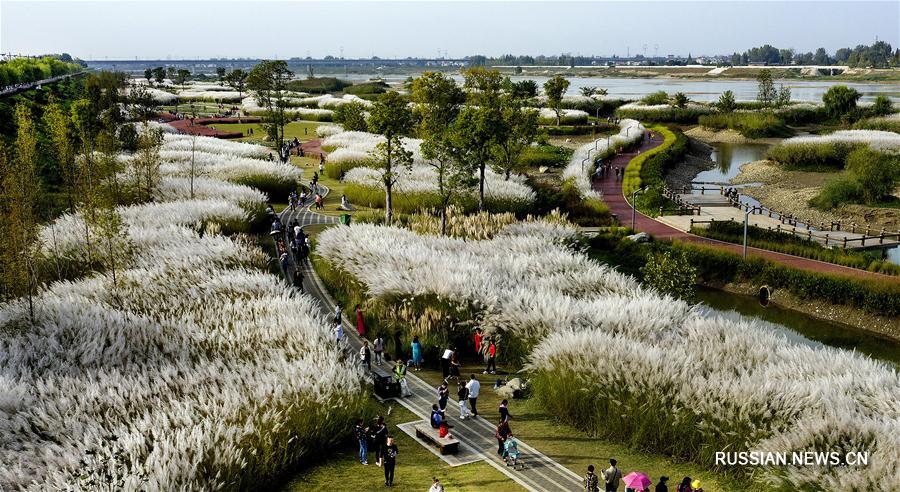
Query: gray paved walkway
540	473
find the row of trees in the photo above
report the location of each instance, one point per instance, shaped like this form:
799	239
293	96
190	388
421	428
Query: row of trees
879	54
81	139
465	130
24	70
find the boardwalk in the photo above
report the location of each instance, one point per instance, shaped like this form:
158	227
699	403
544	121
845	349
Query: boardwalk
612	195
475	435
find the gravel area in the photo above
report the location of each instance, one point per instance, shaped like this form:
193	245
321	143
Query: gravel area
790	191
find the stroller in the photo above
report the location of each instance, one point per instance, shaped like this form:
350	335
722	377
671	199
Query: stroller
511	453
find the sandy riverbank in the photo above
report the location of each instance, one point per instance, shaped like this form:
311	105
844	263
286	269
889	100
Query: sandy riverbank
790	191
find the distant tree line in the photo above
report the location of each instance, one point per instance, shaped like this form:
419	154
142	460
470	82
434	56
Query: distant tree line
878	55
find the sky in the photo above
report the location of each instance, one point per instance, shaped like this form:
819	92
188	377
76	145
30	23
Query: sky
235	29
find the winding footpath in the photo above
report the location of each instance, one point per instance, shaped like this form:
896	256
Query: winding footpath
476	435
618	205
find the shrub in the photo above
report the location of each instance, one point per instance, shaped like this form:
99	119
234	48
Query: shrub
812	156
750	125
882	106
352	116
545	155
656	98
733	232
366	88
877	173
317	85
840	100
887	124
670	273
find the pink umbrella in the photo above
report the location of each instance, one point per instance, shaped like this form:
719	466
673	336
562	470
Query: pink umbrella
636	480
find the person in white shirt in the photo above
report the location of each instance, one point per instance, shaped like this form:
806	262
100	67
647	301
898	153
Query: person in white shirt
436	485
474	387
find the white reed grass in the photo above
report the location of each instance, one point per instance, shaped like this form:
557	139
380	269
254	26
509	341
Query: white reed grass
876	139
213	146
630	131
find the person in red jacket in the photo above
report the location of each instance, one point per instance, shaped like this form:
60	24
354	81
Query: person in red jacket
478	338
491	362
360	322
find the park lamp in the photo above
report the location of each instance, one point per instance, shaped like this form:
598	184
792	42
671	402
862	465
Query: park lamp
634	194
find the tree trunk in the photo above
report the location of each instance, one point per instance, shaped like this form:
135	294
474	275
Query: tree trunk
481	188
444	219
388	183
387	203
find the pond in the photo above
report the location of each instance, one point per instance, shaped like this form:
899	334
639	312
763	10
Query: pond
826	332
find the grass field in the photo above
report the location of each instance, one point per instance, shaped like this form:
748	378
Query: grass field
303	130
415	467
309	165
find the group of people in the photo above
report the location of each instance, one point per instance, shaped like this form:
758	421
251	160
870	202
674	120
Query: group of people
606	169
611	477
383	445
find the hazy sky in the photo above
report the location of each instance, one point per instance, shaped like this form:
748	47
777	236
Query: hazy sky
126	30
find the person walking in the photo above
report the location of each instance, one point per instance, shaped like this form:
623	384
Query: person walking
443	395
285	263
298	279
454	364
416	353
478	336
491	354
591	480
337	313
362	434
445	363
504	410
338	331
462	394
684	486
661	485
612	476
400	376
378	348
390	461
501	434
360	322
378	434
365	355
474	387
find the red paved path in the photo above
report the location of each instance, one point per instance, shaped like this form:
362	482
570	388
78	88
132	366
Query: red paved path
200	126
612	195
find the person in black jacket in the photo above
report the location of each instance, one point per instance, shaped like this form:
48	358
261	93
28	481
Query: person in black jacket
362	434
661	486
379	438
390	461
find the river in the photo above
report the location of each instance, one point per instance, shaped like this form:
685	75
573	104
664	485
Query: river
697	90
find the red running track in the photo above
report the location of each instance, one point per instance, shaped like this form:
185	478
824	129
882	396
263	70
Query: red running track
618	205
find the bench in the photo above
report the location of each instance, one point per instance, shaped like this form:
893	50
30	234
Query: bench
447	445
385	387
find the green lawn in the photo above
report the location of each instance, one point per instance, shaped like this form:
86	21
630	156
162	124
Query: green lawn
309	165
415	467
303	130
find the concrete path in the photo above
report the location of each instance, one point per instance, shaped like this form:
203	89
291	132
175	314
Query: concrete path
475	434
612	195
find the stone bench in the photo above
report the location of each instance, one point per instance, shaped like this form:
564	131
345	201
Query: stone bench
447	445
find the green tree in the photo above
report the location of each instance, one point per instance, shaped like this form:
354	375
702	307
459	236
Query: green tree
554	90
882	106
237	80
352	116
765	92
670	273
220	73
19	207
840	100
876	172
148	74
438	101
181	76
59	131
518	129
588	91
391	118
523	89
479	124
726	102
680	100
145	162
159	74
268	80
784	96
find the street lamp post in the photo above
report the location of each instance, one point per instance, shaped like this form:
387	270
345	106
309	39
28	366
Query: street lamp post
746	220
634	194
